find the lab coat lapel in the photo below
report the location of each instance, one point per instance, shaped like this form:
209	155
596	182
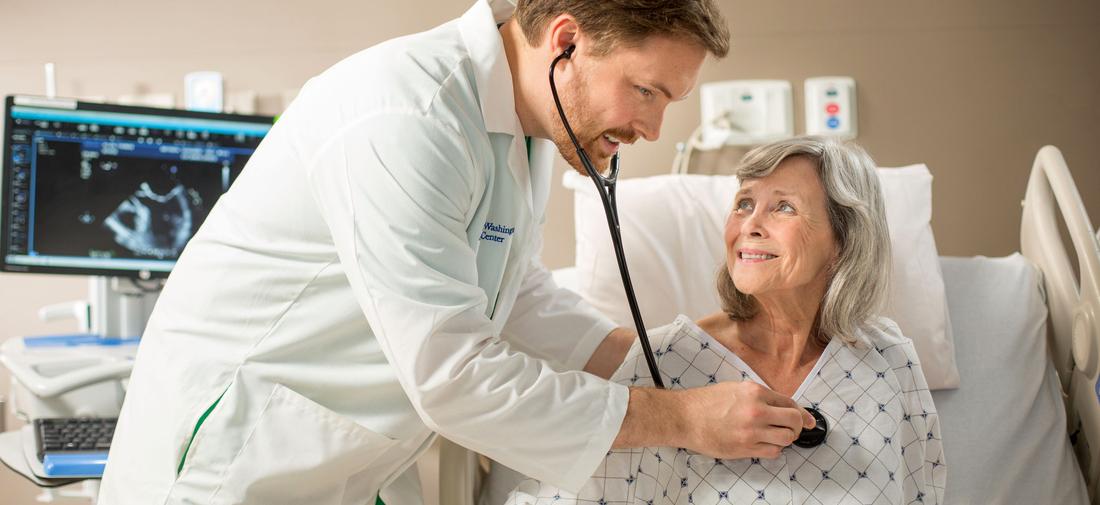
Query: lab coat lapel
491	73
494	83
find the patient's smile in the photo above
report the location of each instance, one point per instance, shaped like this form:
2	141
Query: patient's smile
751	256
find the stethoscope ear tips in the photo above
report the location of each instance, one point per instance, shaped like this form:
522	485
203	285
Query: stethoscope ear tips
815	436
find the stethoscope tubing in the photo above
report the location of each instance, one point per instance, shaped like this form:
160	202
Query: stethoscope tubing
605	186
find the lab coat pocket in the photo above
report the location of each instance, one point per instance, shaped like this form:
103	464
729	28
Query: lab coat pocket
301	452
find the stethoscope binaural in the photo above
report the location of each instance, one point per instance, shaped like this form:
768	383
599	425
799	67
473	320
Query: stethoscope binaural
605	186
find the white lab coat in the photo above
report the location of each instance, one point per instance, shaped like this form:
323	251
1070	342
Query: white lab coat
371	279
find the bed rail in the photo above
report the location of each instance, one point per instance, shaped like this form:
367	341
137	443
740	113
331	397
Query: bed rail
1073	299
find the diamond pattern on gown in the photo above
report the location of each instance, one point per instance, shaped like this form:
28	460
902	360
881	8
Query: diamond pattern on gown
883	445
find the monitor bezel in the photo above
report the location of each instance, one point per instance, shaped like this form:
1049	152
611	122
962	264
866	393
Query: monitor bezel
71	104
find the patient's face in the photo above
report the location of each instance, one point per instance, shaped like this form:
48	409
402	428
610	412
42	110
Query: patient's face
778	236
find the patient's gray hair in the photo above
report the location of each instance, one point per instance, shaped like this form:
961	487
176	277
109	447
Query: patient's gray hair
857	286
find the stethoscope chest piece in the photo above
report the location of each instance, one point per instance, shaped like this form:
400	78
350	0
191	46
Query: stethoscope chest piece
815	436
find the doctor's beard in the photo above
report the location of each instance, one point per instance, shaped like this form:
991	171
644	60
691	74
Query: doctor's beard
577	105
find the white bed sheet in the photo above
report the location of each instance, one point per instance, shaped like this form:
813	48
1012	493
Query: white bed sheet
1004	428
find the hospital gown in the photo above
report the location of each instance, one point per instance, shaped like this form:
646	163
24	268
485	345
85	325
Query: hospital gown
883	444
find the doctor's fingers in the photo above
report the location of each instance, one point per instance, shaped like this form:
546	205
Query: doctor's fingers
775	435
785	418
766	451
777	400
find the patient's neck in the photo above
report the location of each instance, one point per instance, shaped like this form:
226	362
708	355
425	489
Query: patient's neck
781	350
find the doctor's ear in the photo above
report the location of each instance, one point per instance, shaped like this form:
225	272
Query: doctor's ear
563	34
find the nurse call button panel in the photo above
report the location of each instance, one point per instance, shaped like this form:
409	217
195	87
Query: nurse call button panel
831	107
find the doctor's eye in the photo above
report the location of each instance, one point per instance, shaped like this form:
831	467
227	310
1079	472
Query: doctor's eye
645	92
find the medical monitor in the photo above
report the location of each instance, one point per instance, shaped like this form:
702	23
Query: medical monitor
112	190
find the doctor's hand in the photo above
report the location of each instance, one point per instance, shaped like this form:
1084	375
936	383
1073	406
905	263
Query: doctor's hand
729	420
743	419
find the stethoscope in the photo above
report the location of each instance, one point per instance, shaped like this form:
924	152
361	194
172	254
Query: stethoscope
605	186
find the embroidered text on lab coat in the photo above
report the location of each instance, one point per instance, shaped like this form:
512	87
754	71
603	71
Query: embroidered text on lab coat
491	230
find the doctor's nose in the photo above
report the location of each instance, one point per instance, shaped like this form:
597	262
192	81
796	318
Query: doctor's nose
646	132
649	128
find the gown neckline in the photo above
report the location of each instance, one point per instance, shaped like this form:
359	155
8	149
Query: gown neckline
736	360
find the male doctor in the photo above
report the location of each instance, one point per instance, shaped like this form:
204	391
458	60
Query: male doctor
371	279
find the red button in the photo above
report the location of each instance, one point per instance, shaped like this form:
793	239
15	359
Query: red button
832	108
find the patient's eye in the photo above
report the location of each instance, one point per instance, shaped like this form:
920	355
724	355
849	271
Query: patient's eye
785	207
744	205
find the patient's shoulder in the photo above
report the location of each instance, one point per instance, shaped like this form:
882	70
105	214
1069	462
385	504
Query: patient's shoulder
884	335
662	340
661	336
882	332
898	350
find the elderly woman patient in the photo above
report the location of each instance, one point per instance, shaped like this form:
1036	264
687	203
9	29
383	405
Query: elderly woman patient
807	262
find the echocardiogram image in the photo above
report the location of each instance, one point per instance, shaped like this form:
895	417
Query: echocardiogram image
123	203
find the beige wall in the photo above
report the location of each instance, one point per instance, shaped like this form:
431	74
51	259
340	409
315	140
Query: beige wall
973	89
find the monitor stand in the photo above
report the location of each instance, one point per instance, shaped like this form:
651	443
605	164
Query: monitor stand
119	308
115	309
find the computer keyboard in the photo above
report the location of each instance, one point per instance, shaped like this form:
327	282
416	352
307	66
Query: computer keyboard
71	447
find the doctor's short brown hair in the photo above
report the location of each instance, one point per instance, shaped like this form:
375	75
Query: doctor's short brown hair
615	23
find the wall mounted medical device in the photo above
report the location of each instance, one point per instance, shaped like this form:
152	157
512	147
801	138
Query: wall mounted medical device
831	106
745	112
738	113
203	91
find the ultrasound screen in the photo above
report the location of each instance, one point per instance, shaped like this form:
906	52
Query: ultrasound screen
106	190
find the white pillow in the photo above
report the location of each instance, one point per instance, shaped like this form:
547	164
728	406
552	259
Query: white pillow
672	228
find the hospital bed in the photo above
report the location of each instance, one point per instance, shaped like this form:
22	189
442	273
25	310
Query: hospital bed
1024	424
